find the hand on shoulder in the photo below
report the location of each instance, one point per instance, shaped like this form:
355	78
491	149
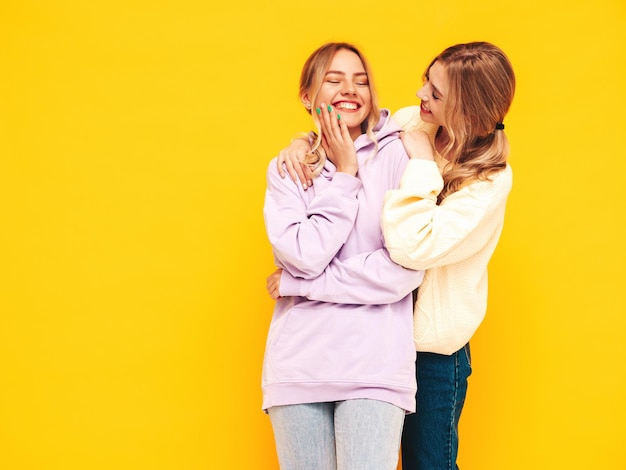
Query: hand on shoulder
417	145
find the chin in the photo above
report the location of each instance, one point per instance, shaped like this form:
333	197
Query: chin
427	117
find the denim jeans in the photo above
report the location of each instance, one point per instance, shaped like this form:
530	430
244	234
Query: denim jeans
430	439
345	435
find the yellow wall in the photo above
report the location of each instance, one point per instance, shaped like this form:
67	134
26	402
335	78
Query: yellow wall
134	136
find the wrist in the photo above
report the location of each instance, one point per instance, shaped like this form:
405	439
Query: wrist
349	169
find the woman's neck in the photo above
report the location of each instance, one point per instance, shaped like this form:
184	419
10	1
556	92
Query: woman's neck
441	141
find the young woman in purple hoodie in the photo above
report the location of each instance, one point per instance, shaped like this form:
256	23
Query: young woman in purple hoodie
339	366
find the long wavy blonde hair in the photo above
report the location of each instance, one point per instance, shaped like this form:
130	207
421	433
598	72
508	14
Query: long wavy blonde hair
311	80
481	86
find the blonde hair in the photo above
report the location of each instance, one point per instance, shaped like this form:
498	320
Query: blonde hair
311	81
481	85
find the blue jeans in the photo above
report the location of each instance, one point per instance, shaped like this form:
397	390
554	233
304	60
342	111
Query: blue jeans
430	439
354	434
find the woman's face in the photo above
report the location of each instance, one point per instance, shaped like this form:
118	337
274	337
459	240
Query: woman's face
433	95
346	88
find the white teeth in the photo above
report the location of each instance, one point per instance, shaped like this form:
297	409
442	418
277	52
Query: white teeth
346	106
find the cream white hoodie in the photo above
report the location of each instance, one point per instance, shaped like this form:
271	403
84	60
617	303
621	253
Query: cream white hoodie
453	242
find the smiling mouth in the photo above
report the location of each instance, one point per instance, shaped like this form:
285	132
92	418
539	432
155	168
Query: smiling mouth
347	106
424	108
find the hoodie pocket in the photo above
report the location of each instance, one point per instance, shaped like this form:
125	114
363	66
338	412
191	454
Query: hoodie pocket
346	343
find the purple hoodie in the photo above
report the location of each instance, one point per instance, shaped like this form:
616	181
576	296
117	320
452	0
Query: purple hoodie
343	327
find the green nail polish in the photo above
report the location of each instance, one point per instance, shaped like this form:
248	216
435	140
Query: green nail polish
318	110
338	117
329	108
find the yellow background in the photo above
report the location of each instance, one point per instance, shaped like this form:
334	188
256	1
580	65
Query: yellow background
134	137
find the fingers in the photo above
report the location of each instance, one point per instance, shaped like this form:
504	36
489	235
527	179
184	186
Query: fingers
273	290
274	294
285	159
325	143
329	121
290	158
338	143
272	284
293	170
307	176
299	169
345	133
279	163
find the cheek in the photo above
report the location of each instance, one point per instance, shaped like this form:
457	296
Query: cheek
366	98
321	100
323	96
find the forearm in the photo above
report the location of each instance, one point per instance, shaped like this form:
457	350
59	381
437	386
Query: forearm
366	279
420	234
306	235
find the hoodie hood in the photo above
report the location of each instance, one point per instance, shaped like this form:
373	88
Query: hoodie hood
386	131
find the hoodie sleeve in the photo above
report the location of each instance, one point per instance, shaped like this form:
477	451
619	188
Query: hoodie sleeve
364	279
420	234
307	234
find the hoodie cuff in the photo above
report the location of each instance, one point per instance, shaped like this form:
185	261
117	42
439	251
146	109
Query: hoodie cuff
289	285
350	184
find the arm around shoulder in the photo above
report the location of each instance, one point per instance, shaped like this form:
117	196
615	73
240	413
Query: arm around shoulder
420	234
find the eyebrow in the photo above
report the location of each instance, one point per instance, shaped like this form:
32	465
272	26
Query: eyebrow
338	72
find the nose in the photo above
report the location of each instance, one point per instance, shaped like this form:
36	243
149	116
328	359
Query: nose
348	89
421	95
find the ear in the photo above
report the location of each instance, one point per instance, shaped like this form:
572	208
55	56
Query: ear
306	101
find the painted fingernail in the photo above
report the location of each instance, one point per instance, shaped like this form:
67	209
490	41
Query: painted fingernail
329	108
338	117
318	110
